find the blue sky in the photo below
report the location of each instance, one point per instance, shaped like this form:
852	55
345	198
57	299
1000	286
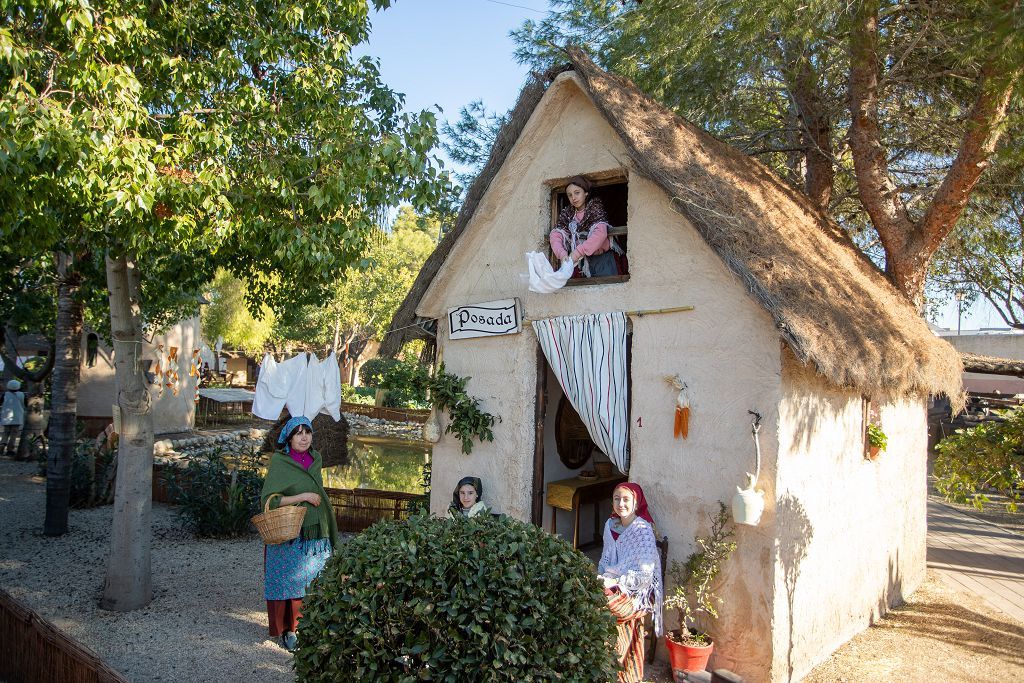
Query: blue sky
447	53
450	52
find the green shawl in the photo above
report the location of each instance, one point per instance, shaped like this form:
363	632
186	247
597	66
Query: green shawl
285	476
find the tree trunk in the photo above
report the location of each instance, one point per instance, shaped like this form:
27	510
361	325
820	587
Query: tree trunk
909	245
63	396
815	126
128	583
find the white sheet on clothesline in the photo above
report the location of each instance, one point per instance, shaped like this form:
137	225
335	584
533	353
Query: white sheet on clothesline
304	384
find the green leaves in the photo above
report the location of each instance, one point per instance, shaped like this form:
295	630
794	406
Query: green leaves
692	596
976	461
453	611
243	137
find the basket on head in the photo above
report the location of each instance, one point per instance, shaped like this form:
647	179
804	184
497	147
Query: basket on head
281	524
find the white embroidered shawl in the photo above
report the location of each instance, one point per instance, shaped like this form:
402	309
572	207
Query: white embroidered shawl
633	561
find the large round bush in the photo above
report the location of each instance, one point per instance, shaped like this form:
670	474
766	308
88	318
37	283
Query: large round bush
484	599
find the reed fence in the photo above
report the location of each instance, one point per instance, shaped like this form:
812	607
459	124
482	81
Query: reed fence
391	414
357	509
35	650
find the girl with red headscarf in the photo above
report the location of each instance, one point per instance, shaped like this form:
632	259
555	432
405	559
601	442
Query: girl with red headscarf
631	569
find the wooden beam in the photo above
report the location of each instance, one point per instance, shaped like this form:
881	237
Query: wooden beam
990	365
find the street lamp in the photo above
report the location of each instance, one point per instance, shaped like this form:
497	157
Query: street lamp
959	296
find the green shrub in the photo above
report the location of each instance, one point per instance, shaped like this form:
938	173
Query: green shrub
361	395
482	599
989	457
91	474
218	492
403	380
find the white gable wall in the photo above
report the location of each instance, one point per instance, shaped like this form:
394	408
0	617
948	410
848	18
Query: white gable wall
727	349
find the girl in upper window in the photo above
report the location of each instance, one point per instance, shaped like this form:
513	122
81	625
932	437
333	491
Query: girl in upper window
581	233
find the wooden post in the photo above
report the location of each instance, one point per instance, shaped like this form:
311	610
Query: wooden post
539	411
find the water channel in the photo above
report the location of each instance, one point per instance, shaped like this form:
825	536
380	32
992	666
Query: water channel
382	463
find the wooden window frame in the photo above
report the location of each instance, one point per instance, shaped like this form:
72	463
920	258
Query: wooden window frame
601	179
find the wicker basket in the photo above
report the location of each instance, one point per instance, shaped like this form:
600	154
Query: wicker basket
281	524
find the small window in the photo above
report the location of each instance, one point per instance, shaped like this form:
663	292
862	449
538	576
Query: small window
614	195
92	347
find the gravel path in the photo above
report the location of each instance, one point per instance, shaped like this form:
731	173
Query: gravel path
207	620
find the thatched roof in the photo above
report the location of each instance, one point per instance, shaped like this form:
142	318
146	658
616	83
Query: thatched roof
831	305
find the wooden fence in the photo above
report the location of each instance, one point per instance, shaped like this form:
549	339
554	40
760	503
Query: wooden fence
35	650
357	509
392	414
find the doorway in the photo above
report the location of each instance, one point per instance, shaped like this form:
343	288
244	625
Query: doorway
564	450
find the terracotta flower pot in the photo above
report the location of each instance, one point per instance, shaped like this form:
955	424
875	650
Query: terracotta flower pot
687	657
873	452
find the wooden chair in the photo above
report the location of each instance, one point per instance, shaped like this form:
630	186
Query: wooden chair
662	545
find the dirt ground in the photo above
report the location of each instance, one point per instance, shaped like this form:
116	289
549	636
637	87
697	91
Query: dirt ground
939	635
207	616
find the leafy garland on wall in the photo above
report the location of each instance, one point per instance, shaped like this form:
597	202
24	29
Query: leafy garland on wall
448	392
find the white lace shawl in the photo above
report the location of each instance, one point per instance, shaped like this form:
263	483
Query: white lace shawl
633	561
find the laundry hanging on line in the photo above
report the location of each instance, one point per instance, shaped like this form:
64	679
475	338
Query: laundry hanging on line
304	384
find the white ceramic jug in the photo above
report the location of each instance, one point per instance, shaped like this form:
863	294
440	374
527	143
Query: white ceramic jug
748	504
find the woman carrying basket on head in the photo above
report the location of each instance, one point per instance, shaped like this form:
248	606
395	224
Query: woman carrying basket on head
294	478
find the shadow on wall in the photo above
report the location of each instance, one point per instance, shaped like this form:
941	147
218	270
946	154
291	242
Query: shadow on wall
795	534
893	593
815	405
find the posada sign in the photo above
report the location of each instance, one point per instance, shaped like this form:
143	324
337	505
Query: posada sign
488	319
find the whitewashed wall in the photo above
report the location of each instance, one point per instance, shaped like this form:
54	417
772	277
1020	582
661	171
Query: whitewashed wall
726	349
851	532
97	391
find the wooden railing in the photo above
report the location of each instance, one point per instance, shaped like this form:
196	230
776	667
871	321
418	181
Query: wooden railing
382	413
35	650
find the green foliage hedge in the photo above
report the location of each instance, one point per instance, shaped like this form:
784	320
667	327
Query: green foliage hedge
403	380
989	457
482	599
218	492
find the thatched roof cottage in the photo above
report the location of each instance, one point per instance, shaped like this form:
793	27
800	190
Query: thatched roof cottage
788	319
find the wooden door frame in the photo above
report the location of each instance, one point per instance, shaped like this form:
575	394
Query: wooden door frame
539	415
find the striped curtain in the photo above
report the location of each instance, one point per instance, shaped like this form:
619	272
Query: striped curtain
588	356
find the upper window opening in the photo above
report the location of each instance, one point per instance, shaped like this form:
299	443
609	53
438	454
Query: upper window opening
588	221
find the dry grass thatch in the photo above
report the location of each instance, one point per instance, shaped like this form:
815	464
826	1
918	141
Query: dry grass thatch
831	305
330	438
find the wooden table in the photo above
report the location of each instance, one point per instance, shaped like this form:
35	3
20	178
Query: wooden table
571	494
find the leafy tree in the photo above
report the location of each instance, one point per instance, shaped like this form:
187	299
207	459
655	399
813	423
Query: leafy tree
884	112
227	316
172	139
469	140
989	457
366	297
985	258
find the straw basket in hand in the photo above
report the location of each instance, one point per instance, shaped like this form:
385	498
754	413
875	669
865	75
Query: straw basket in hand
281	524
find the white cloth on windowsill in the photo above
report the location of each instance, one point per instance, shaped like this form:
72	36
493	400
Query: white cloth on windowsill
543	278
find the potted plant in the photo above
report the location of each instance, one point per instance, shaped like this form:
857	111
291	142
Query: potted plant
693	599
877	441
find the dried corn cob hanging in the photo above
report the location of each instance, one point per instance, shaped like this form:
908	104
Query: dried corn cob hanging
681	424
